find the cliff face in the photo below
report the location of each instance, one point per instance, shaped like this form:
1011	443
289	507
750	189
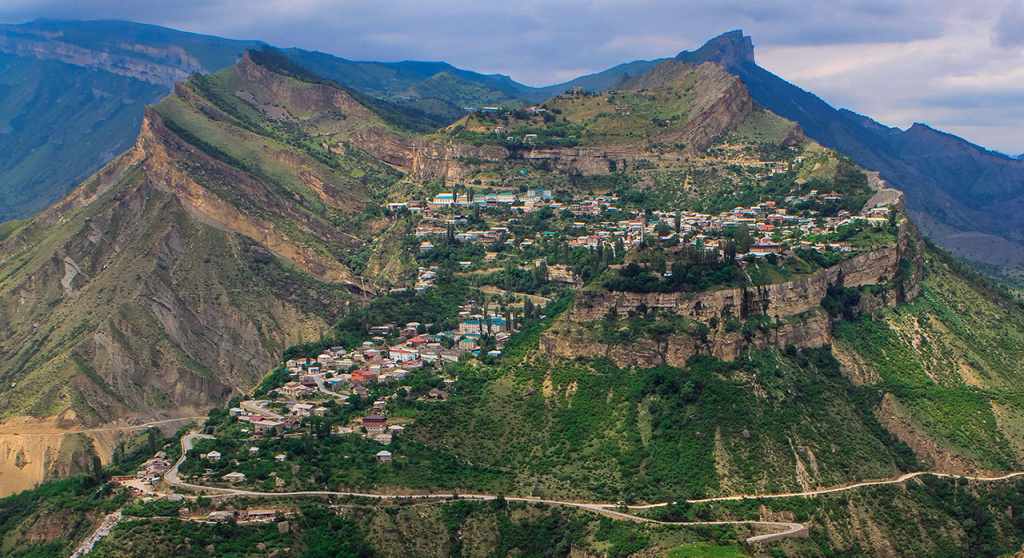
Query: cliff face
75	92
795	304
812	330
783	299
177	67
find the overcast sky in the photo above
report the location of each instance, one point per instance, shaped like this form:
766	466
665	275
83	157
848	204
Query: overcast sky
957	66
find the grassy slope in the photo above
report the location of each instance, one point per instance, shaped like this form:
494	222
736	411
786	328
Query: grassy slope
953	359
596	431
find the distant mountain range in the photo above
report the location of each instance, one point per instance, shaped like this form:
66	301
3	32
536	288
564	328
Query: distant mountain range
74	92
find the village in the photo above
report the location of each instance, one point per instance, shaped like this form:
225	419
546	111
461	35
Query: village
351	392
772	224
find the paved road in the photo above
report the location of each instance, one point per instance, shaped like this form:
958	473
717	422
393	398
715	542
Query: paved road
789	529
257	407
142	426
171	476
319	379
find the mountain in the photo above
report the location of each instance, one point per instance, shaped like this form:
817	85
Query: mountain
712	305
174	277
75	92
246	218
964	197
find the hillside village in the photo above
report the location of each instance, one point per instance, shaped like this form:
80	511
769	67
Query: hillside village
773	224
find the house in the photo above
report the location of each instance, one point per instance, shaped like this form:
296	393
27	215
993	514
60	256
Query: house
403	355
763	249
470	326
265	426
258	515
233	477
222	516
396	430
382	439
213	456
254	450
281	457
437	394
384	456
446	198
375	423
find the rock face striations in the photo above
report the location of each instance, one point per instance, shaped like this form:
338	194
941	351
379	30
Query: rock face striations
75	92
174	277
722	103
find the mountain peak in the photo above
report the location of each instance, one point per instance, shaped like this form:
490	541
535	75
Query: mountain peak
728	50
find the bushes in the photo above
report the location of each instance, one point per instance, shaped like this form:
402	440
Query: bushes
841	301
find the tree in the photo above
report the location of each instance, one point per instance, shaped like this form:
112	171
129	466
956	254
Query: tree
151	440
743	239
97	468
528	311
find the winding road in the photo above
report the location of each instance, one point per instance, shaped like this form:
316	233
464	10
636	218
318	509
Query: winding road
788	529
257	407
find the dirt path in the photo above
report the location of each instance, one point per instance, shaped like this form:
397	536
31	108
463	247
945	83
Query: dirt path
788	529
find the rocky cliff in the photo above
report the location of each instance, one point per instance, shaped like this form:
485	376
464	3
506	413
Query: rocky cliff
794	307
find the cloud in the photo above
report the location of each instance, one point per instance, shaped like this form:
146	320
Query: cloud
1009	29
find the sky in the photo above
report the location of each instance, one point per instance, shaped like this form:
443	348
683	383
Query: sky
956	66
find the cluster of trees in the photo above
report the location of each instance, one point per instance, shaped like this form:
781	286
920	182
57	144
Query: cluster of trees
695	270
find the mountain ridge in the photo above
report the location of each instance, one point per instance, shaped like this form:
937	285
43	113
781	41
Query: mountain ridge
939	172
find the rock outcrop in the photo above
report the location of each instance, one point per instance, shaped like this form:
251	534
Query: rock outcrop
794	306
723	104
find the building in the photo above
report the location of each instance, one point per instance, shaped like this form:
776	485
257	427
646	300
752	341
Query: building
384	456
222	516
233	477
375	423
258	515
